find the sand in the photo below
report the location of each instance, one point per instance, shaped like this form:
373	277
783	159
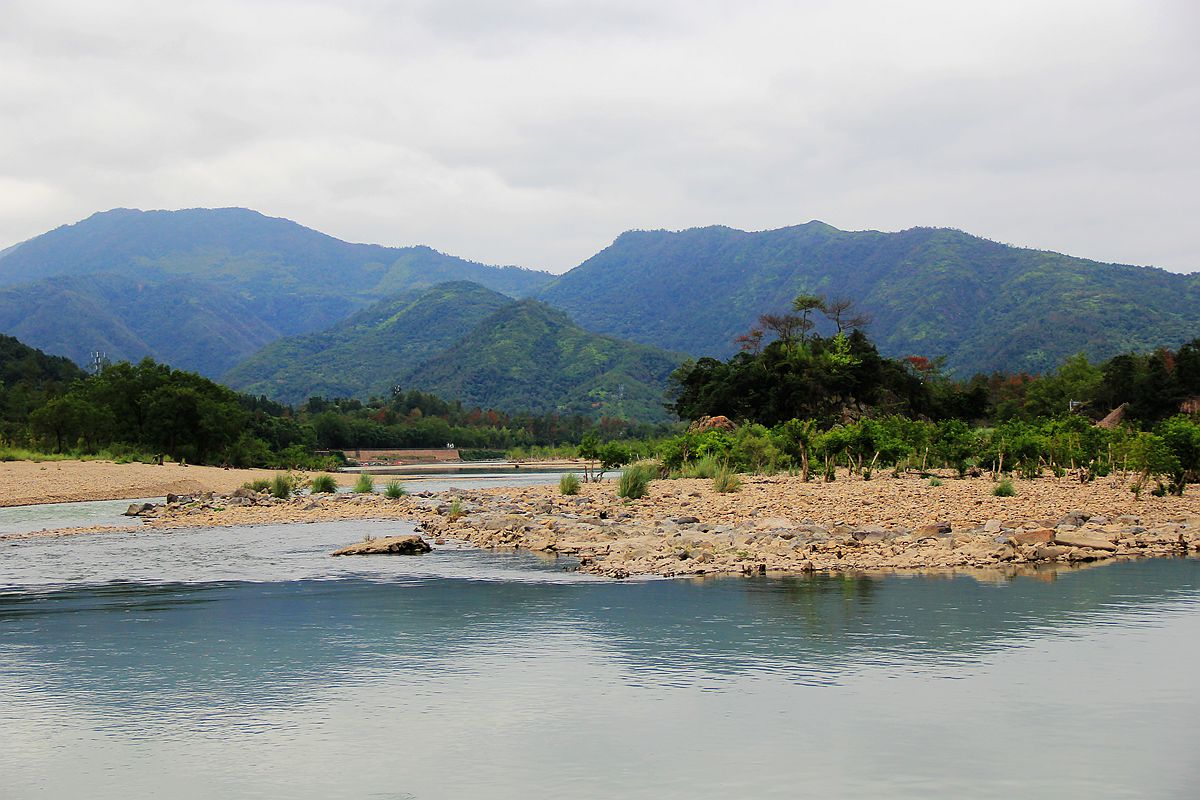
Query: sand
24	483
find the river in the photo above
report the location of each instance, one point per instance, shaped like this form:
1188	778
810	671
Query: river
247	663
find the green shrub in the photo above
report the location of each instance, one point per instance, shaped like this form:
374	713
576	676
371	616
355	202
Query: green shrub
281	486
395	490
481	454
257	485
568	484
935	482
323	484
456	509
1004	489
726	481
365	483
634	482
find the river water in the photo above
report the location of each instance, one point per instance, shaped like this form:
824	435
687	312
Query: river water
247	663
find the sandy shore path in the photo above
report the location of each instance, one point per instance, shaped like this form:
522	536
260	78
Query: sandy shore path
24	483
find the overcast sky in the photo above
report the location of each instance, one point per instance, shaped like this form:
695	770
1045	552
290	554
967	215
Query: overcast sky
533	132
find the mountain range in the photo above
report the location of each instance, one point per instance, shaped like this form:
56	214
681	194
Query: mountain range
280	309
932	292
229	280
464	341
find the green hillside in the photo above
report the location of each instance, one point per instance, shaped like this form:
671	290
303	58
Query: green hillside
180	320
28	377
298	280
528	356
984	305
368	353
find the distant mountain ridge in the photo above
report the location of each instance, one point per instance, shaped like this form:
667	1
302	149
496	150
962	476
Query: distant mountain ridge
371	351
529	356
205	289
463	341
250	277
930	291
188	323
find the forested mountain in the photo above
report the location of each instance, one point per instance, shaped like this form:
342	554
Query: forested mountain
529	356
204	289
370	352
180	320
462	341
238	279
984	305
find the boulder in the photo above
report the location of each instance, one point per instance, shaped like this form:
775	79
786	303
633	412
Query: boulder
137	509
1083	539
387	545
1050	552
933	529
1035	536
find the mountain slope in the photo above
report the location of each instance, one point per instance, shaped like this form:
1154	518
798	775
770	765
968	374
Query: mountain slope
984	305
368	353
180	321
530	357
298	279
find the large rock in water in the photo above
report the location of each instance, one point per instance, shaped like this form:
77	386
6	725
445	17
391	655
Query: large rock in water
409	545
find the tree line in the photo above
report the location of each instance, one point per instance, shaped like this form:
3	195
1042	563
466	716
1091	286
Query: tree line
813	402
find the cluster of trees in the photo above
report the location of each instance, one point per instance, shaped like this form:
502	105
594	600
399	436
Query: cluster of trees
811	403
28	378
800	374
151	411
419	419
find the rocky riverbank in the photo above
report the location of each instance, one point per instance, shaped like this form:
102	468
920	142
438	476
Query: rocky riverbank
773	525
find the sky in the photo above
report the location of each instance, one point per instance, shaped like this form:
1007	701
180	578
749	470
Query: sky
533	132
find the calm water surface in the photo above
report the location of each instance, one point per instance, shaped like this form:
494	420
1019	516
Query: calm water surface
247	663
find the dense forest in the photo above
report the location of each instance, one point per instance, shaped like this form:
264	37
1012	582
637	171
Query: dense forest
468	342
150	411
986	306
813	402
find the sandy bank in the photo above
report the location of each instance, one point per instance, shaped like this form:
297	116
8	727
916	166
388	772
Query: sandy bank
24	483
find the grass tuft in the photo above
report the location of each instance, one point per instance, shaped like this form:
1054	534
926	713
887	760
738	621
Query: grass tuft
365	483
395	490
1004	489
568	484
726	481
323	484
635	481
281	486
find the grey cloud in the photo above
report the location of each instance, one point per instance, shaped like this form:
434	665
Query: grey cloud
533	132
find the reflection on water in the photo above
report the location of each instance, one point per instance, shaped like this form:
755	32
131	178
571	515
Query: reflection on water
247	663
